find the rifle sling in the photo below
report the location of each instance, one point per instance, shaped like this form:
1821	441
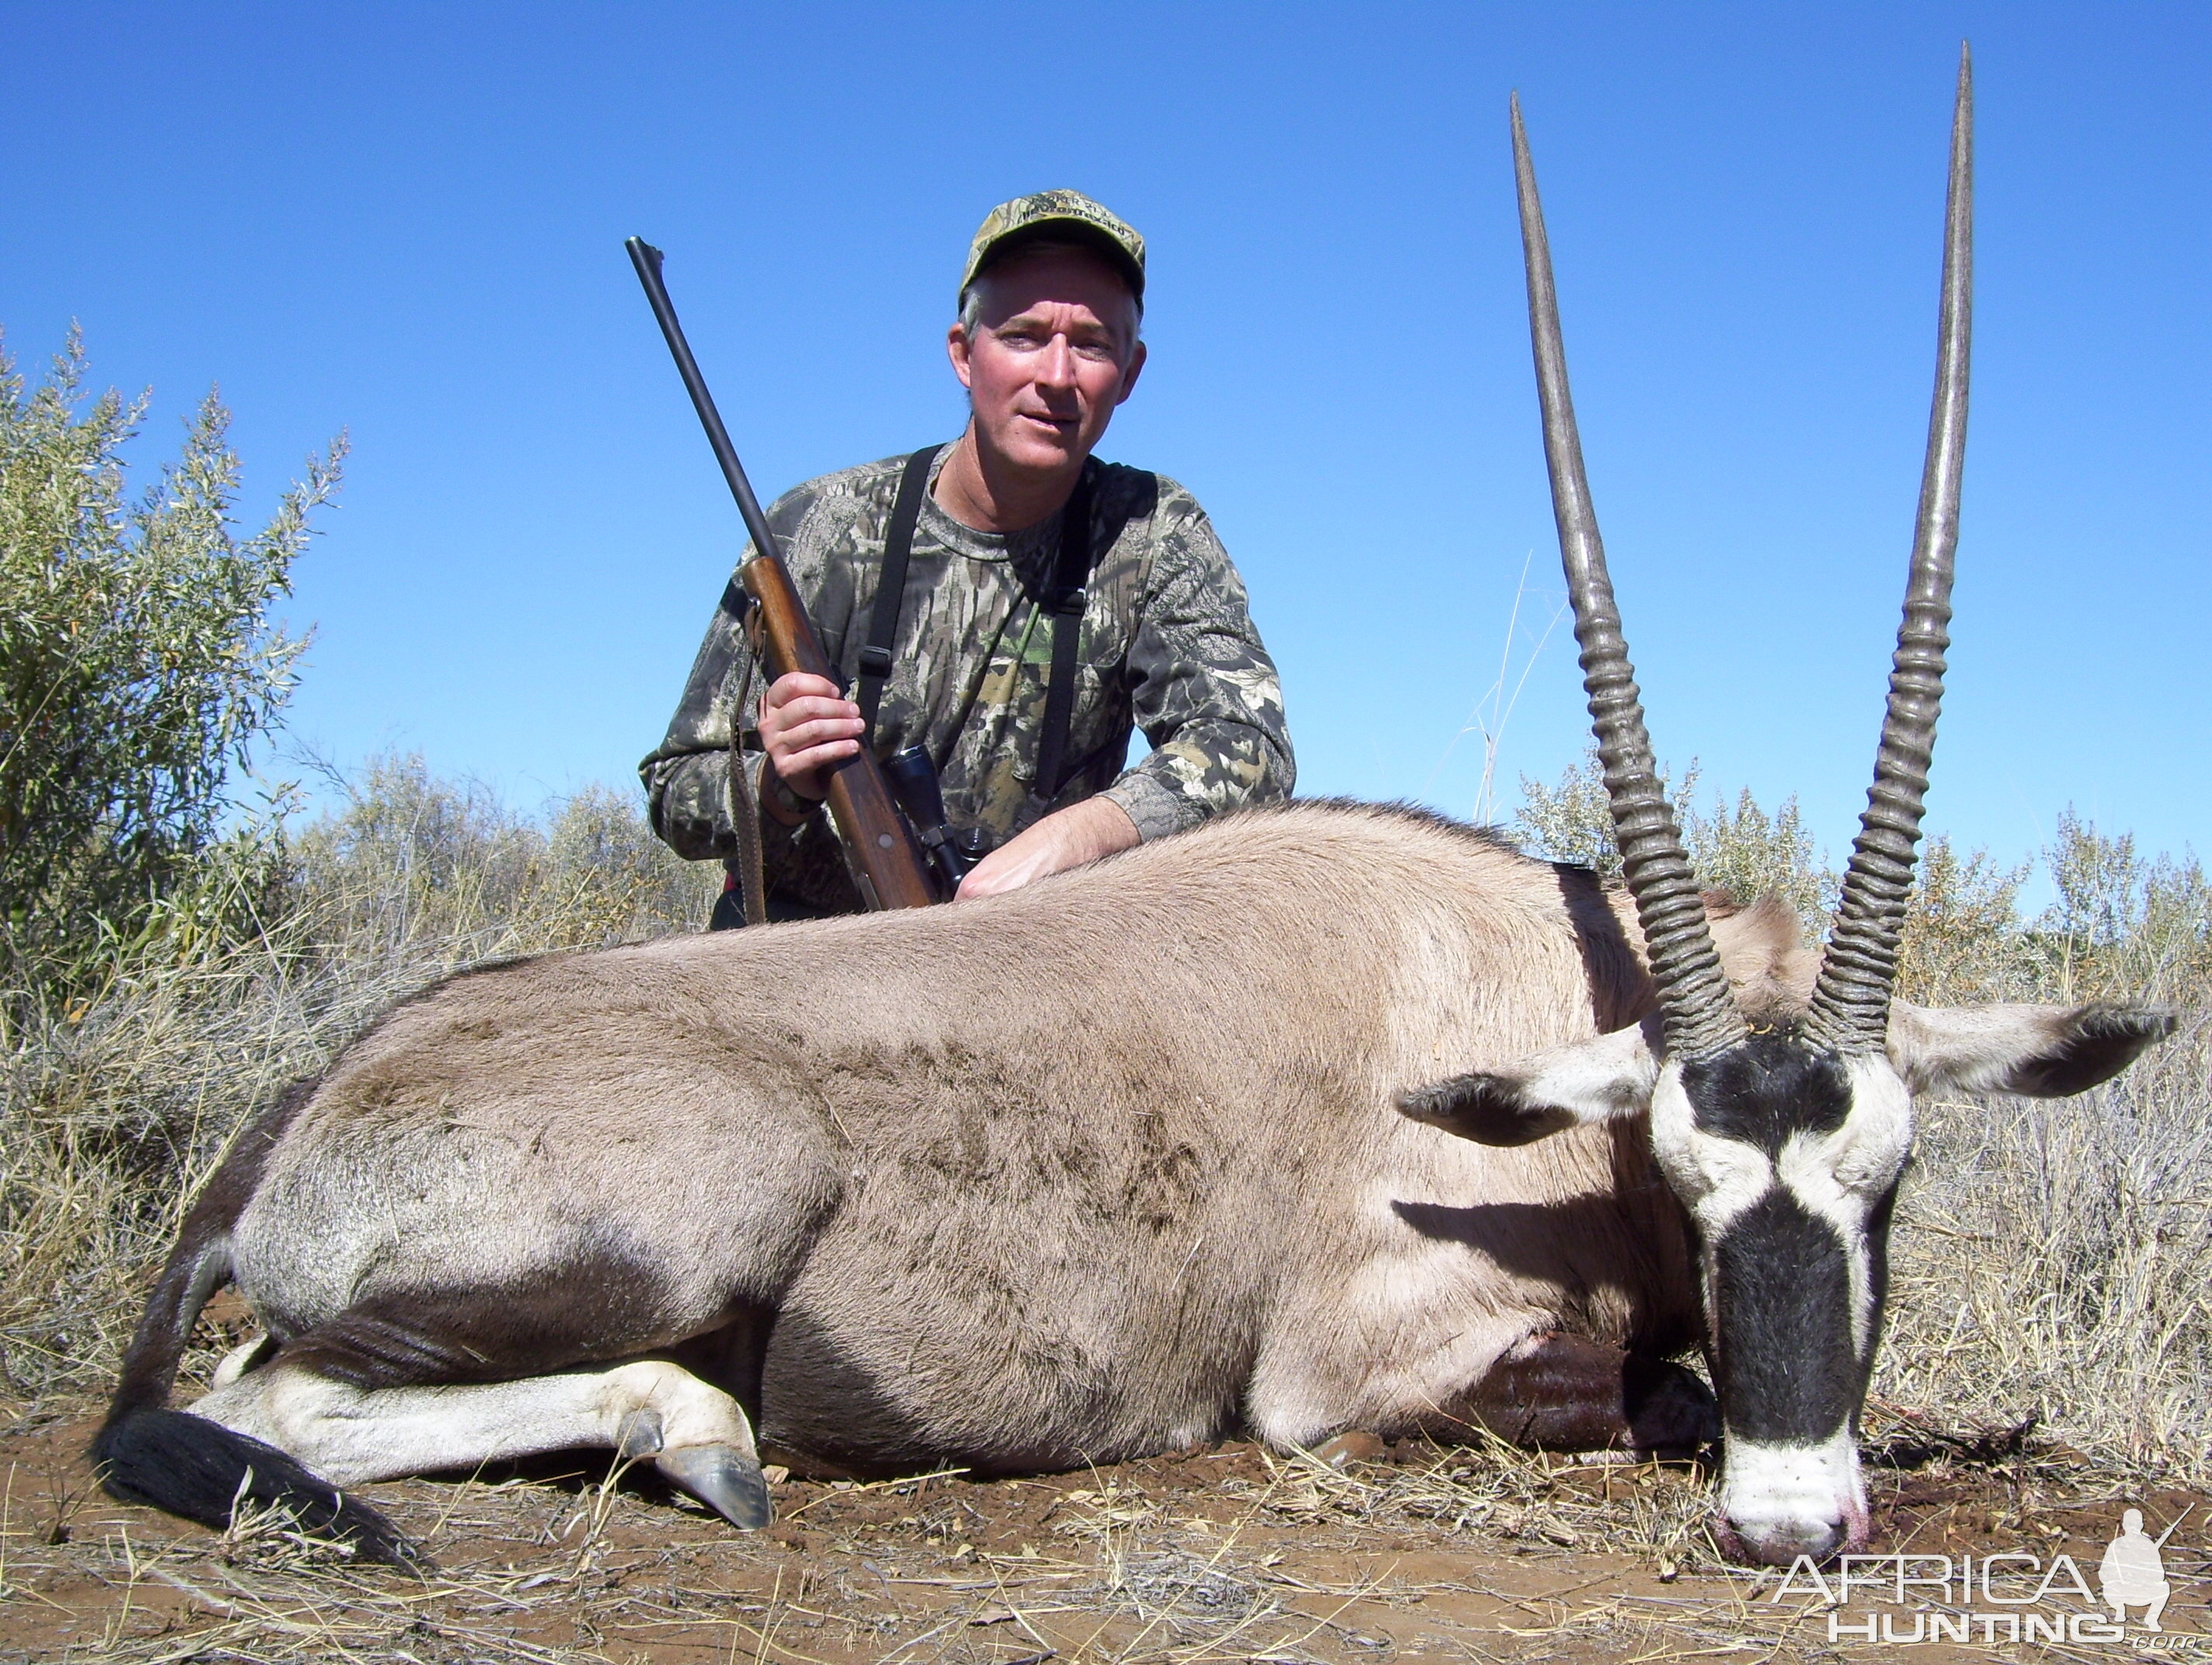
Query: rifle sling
1066	601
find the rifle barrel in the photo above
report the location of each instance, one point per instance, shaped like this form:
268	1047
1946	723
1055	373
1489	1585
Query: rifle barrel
647	259
887	867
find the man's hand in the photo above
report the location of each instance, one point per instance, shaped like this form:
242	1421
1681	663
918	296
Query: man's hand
804	727
1066	838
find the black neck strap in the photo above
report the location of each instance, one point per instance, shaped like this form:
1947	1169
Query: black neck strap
890	590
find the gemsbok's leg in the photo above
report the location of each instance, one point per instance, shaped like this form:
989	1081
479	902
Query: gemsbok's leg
1565	1394
694	1434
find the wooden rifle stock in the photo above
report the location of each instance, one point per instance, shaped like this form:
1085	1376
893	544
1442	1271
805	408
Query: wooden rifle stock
887	866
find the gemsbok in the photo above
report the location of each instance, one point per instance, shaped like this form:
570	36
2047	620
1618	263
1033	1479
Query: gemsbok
1322	1118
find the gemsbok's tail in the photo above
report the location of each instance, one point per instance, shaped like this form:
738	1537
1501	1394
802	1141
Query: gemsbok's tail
146	1453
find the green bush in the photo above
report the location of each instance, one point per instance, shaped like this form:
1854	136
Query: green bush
2121	921
2122	925
1740	850
138	660
416	864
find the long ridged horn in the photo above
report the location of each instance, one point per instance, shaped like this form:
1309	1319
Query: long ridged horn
1700	1013
1849	1010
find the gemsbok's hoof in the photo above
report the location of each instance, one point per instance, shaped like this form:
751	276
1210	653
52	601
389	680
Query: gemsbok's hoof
723	1477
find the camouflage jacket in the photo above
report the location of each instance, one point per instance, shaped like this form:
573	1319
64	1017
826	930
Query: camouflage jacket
1166	645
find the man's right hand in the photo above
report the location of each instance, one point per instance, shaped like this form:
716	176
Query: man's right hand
804	727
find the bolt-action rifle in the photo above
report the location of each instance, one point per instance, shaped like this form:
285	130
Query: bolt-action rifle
887	867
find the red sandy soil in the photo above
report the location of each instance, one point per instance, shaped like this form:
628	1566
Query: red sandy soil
1222	1554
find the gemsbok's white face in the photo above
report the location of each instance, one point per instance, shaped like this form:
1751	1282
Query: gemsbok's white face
1786	1157
1783	1134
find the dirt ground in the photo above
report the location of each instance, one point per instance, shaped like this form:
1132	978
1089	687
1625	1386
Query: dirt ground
1410	1554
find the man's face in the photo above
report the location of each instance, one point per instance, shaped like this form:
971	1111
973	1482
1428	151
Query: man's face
1055	351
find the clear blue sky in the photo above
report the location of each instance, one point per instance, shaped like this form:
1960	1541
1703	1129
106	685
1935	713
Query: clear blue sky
407	222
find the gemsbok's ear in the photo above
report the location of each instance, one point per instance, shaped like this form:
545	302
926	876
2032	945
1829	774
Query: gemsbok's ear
1591	1081
2038	1051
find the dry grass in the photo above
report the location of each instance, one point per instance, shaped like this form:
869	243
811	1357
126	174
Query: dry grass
2053	1257
2053	1260
117	1103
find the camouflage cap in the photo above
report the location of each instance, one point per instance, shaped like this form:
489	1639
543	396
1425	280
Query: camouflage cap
1057	213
